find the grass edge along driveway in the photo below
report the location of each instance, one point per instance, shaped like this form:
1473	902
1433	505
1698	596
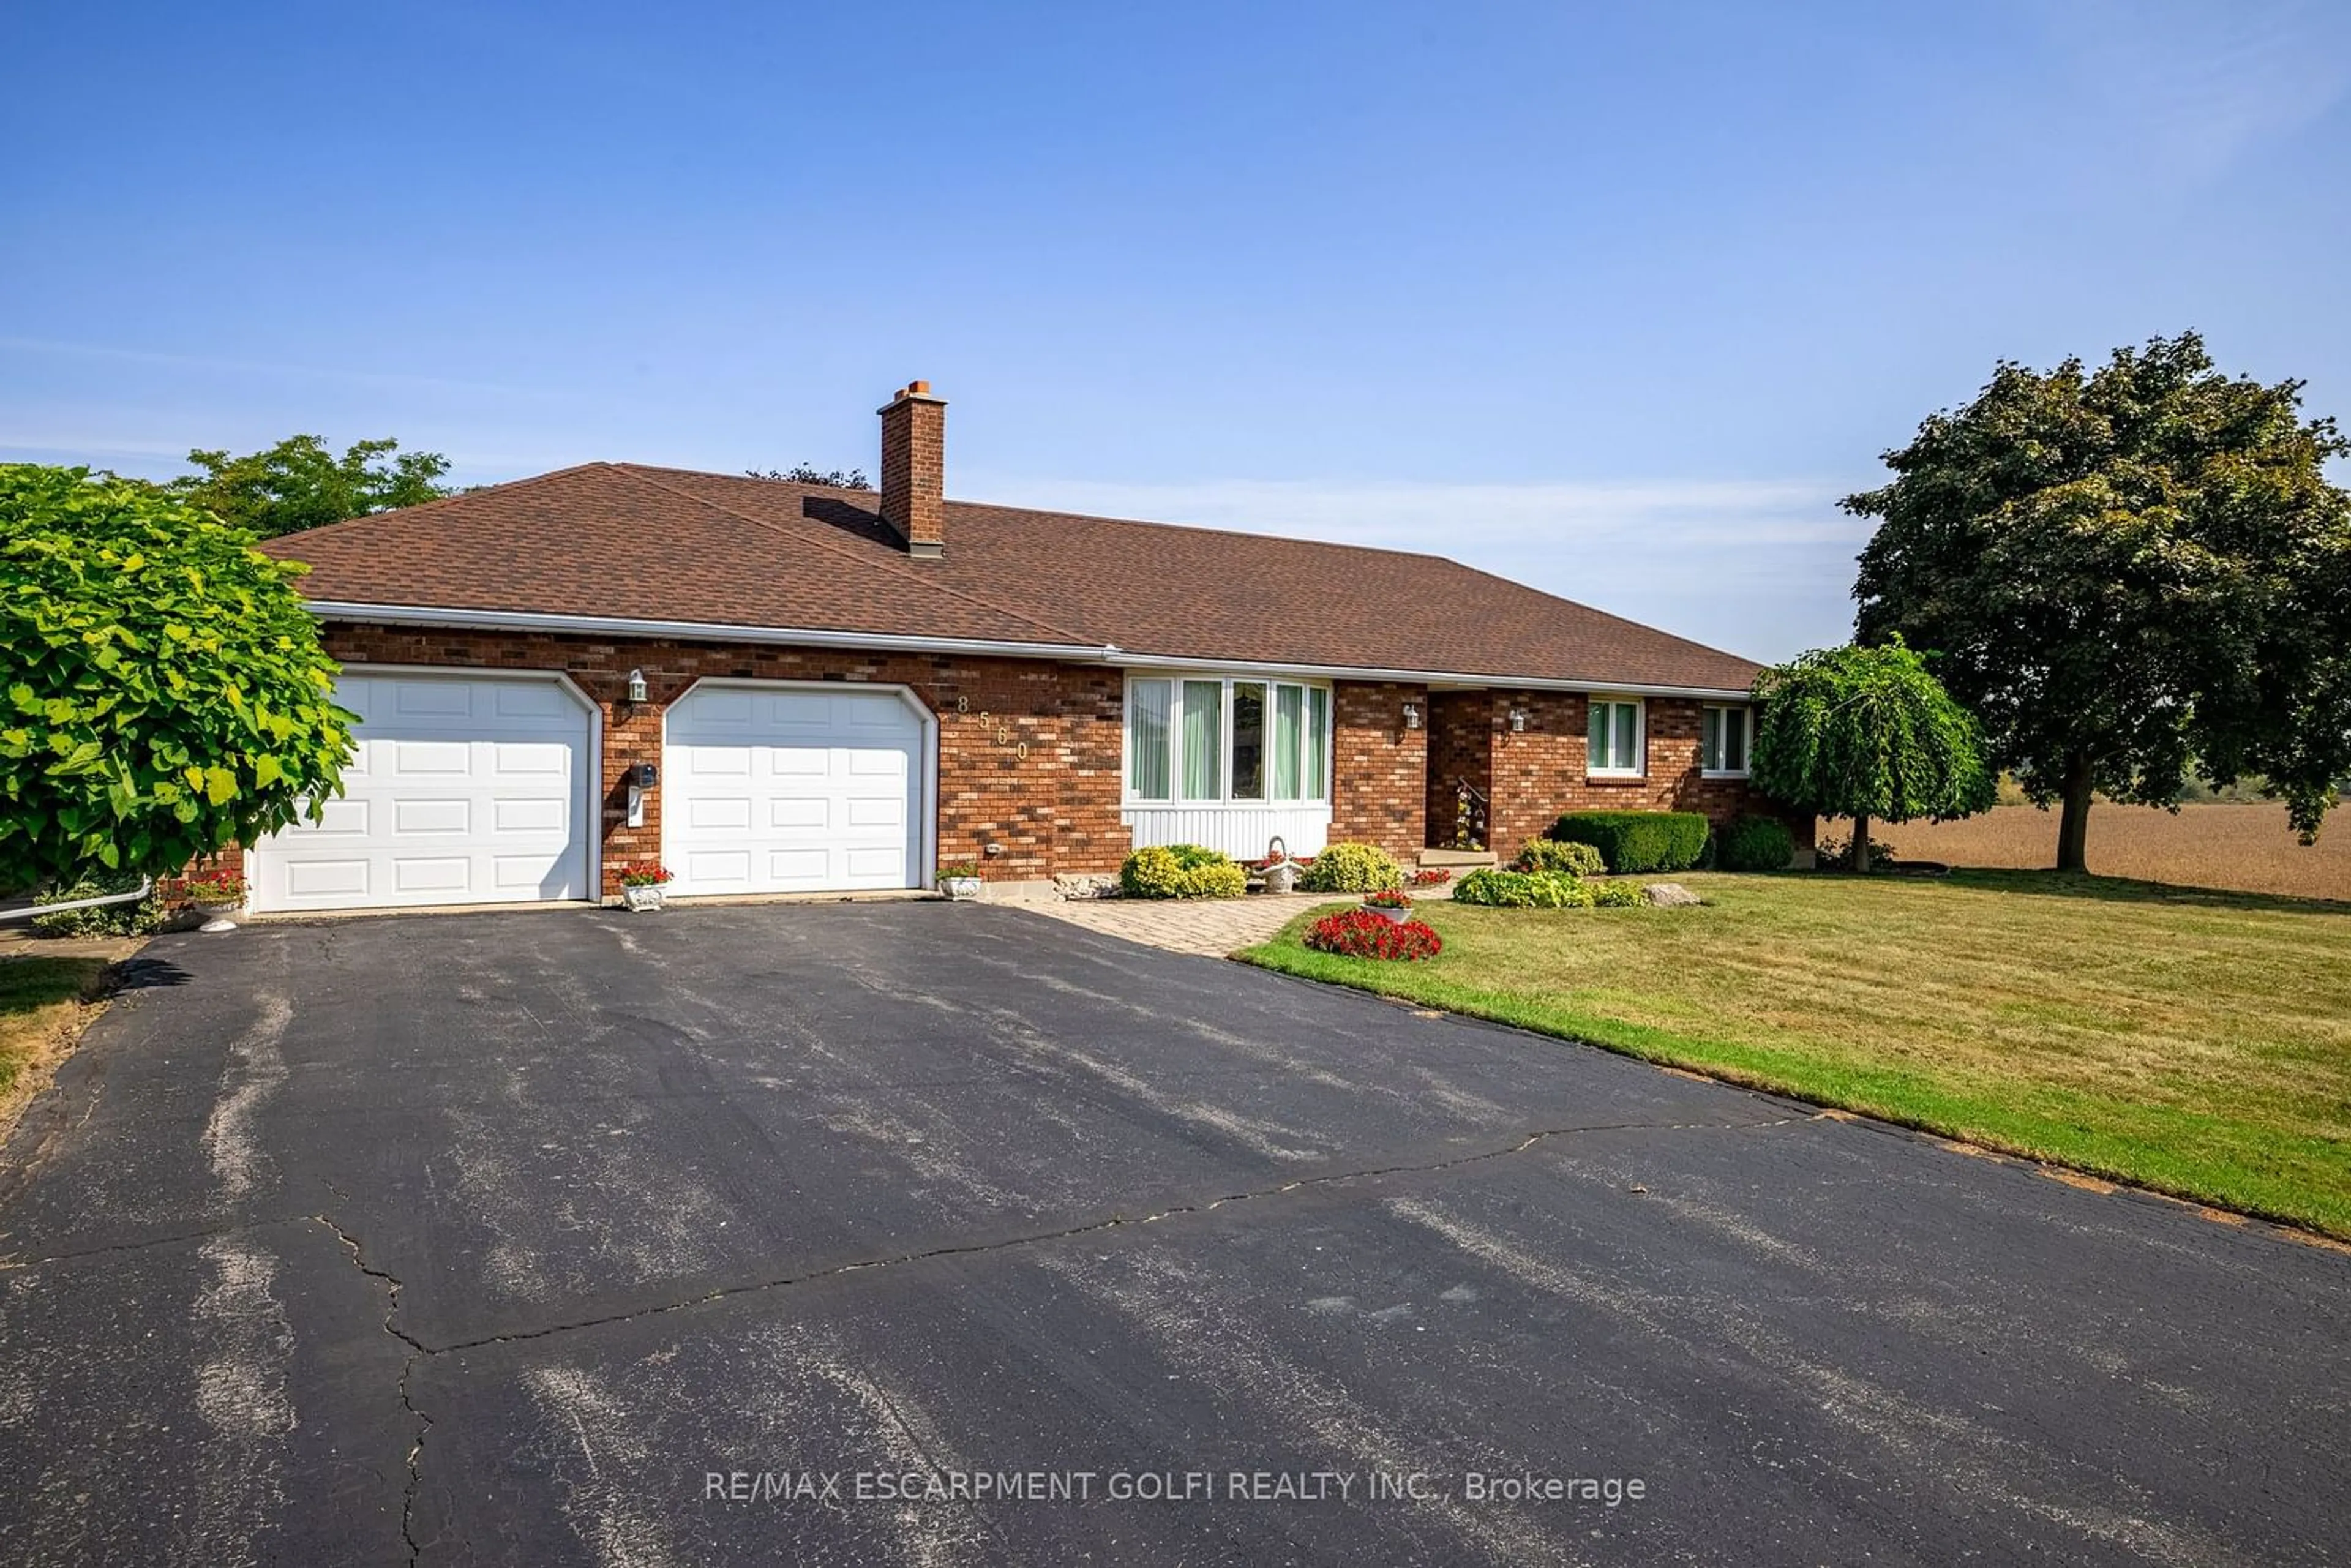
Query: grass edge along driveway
2195	1043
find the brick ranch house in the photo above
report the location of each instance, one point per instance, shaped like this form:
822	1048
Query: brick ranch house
774	688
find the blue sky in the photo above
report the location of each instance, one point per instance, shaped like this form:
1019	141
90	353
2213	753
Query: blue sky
1613	300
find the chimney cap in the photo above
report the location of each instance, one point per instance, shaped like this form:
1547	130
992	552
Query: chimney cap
912	392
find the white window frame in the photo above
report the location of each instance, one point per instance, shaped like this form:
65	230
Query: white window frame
1746	714
1224	799
1640	769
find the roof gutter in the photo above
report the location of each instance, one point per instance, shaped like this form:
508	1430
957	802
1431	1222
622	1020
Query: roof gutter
691	631
887	641
1130	660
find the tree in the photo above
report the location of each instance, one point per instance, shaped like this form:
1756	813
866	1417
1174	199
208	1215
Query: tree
299	484
810	474
2130	573
1867	733
163	692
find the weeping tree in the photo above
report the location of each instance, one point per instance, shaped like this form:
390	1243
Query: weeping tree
1869	734
162	691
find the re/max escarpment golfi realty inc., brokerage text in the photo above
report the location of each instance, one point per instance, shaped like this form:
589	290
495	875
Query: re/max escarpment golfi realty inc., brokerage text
838	1488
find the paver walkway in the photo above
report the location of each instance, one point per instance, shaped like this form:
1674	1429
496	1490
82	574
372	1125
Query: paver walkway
1214	926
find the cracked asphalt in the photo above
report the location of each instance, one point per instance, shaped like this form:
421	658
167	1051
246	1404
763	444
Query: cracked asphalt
496	1237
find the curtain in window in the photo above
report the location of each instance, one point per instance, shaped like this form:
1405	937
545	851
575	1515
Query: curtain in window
1204	738
1288	733
1318	741
1734	740
1613	736
1249	740
1147	739
1710	750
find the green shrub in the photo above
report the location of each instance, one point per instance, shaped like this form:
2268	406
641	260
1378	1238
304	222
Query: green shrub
1617	895
1755	843
1554	854
108	920
1638	841
1181	871
1351	868
1523	890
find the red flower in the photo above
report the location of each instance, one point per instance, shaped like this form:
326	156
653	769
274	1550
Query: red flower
1360	934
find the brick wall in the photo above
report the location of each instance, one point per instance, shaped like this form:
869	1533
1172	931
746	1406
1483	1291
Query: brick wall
1539	772
1054	809
1460	746
1379	769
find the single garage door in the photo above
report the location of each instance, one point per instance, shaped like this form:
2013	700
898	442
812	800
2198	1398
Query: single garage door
781	788
466	789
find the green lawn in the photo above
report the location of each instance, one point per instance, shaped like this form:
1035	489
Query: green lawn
2196	1043
38	996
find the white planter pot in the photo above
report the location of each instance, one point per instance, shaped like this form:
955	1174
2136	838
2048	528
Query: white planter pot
1394	916
217	916
642	898
962	889
1282	878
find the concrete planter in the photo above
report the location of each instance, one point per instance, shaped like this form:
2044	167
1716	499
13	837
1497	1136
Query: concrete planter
961	889
642	898
1394	916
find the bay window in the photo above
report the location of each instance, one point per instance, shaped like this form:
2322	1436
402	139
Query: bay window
1214	741
1723	735
1613	737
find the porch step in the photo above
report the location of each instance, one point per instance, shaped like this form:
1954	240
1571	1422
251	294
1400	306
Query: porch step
1458	857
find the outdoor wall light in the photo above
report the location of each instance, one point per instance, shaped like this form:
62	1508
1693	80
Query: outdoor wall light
1412	715
636	686
1518	721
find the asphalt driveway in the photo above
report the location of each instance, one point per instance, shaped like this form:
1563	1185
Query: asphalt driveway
713	1236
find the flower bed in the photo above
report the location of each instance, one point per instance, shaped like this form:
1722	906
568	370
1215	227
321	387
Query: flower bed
1360	934
1432	876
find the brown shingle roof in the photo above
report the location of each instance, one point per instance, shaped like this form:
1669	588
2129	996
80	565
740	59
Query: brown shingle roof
628	541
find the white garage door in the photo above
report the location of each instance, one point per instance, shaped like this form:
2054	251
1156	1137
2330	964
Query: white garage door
466	789
772	789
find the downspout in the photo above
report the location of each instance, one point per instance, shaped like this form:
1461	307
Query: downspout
146	885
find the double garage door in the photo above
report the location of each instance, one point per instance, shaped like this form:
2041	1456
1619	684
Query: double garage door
483	789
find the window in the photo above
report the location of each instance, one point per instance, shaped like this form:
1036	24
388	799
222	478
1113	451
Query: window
1219	740
1204	739
1317	740
1249	740
1148	742
1722	740
1615	737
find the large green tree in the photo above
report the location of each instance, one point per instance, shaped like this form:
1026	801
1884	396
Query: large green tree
300	484
2131	574
1869	734
162	691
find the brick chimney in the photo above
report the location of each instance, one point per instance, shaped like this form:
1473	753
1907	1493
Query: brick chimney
914	468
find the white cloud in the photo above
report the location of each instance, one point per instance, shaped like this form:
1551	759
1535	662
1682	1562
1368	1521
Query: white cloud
2198	84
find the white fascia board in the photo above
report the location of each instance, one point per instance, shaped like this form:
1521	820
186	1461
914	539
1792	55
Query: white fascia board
689	631
1423	677
888	642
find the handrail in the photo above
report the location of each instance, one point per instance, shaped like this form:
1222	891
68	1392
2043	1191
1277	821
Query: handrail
146	885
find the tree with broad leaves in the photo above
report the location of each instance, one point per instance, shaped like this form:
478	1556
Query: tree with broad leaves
2131	574
810	474
300	484
162	691
1869	734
